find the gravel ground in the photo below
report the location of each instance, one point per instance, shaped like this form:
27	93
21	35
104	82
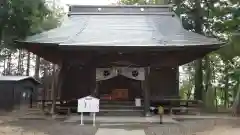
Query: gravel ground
44	127
198	127
58	127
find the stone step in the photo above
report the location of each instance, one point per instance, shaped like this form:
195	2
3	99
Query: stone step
105	106
120	110
103	102
107	112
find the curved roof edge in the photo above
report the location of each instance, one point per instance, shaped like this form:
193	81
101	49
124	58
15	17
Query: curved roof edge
122	6
18	78
153	26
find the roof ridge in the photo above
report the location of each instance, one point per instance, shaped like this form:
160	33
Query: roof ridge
126	9
121	6
116	13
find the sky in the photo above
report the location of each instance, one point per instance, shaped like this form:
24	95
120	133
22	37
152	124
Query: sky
84	2
88	2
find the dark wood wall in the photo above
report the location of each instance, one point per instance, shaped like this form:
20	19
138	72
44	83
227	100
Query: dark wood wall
163	83
11	93
79	82
6	95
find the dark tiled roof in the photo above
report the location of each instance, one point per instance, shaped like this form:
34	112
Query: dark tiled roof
121	26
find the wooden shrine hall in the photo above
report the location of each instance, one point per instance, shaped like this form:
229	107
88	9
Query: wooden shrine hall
119	53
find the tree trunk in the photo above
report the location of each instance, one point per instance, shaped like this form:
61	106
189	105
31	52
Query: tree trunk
222	96
236	103
216	101
208	73
226	84
28	63
4	66
198	21
19	62
226	91
9	64
198	80
209	91
37	67
1	29
189	93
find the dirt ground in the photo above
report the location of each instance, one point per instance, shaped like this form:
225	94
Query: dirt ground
44	127
221	130
223	127
13	126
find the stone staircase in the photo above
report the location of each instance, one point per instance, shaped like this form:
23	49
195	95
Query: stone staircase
119	108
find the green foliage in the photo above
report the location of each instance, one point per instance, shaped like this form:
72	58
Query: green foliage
143	2
186	90
22	14
132	2
219	19
20	18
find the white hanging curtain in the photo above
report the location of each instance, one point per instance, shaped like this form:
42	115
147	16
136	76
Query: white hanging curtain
108	73
105	73
133	73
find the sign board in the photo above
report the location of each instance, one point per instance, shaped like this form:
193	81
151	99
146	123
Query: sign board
88	104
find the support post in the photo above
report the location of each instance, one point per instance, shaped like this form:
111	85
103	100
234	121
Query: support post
146	93
177	80
82	118
94	119
54	89
31	99
44	87
96	94
57	83
92	80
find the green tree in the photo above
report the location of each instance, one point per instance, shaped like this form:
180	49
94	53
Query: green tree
213	75
17	19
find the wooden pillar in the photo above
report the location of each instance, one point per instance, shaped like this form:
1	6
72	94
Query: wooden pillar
177	80
44	88
57	87
63	74
90	69
93	83
31	99
146	93
54	90
96	92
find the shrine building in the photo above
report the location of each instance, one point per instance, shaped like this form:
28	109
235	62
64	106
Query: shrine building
120	53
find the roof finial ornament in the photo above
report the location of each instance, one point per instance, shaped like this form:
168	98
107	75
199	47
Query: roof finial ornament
99	9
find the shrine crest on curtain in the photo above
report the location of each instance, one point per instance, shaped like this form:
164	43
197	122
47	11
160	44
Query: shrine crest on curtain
108	73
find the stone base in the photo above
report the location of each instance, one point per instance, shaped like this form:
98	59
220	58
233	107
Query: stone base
147	114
